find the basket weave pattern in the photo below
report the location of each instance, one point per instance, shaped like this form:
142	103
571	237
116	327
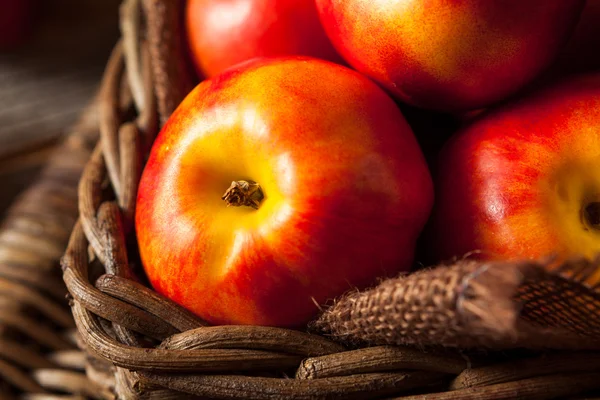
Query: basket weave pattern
38	349
142	345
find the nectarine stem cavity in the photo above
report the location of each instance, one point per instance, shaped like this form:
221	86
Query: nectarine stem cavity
591	214
244	193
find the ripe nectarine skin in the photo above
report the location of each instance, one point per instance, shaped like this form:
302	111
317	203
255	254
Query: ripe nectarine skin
222	33
449	55
523	182
346	193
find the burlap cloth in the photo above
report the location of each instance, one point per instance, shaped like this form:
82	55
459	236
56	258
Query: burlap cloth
473	304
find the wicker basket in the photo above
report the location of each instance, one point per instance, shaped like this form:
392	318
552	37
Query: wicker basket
38	349
435	334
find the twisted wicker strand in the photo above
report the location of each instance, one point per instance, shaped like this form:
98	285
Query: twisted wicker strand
551	364
539	388
378	359
258	388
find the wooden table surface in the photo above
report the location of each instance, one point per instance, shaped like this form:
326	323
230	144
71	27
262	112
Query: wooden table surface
45	84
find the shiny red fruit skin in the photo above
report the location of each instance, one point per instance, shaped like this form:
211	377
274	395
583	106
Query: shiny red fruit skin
347	193
449	55
514	184
222	33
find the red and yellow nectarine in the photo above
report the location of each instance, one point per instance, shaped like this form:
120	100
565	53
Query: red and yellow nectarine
523	182
449	55
222	33
344	193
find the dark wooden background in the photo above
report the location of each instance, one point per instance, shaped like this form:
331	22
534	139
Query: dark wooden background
45	83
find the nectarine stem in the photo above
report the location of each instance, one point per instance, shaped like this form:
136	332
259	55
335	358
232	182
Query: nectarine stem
592	214
243	193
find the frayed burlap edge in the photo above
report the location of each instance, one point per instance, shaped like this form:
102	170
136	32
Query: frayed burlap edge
472	305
